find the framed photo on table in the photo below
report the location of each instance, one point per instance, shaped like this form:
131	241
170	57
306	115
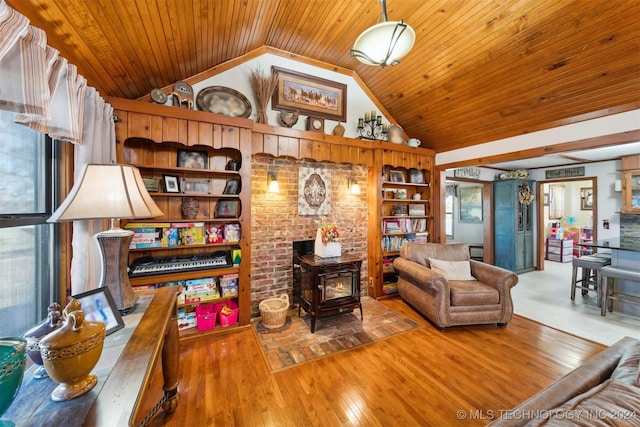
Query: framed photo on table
98	306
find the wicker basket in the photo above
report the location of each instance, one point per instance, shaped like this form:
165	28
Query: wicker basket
274	311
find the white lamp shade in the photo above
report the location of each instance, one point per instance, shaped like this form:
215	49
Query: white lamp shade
374	43
107	191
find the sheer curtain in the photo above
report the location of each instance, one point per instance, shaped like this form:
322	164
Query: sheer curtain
49	95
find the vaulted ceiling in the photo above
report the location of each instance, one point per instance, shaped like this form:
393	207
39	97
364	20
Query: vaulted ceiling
481	70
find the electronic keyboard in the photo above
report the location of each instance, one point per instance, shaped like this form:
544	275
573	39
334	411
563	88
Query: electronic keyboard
151	266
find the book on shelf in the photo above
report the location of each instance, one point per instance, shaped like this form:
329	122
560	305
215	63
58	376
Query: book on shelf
404	225
417	210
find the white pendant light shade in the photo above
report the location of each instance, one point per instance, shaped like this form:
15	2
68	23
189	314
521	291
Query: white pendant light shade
384	43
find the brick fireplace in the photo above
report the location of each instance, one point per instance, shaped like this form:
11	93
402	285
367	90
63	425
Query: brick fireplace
275	223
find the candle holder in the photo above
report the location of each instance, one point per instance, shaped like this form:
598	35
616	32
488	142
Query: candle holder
371	127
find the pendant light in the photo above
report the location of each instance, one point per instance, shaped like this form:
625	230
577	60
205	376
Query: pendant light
384	43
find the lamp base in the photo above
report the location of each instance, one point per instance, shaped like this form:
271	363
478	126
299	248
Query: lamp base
114	247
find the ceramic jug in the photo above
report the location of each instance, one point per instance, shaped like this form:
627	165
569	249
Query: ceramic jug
413	142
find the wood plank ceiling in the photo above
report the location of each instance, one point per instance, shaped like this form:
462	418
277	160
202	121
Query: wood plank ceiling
480	70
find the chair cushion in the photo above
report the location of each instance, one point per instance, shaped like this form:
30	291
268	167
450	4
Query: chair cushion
419	252
472	293
452	270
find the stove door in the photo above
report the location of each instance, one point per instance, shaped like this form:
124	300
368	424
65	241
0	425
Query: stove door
337	285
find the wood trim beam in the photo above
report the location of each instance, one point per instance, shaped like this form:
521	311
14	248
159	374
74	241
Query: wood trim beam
595	142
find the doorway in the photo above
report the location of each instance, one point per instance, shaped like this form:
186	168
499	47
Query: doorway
568	212
468	216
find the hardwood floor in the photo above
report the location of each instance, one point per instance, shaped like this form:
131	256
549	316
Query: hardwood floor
419	378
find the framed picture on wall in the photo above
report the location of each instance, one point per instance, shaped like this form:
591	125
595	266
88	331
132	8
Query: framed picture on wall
470	204
586	198
309	95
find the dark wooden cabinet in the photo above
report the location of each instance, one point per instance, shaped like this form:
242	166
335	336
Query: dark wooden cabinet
513	225
329	286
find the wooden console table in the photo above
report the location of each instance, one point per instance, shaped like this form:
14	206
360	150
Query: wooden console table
125	371
329	286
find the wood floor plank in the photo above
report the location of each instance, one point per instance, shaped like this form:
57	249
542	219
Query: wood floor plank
422	377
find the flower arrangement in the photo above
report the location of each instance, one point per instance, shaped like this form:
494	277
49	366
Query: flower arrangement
329	232
526	195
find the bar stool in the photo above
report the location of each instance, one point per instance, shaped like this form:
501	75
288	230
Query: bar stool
590	281
609	292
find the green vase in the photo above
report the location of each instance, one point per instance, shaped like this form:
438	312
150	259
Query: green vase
13	357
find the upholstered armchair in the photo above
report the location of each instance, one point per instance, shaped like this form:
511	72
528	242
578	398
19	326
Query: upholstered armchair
442	283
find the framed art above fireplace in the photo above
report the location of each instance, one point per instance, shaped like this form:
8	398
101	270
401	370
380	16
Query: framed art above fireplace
309	95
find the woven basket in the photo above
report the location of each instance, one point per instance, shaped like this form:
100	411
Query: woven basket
274	311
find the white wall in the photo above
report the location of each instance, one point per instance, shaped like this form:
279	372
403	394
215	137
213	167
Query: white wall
613	124
238	78
467	232
609	201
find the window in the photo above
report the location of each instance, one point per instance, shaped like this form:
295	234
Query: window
28	282
448	210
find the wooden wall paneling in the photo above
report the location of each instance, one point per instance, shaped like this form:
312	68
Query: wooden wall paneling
335	153
139	125
170	130
321	151
349	154
257	143
305	149
193	135
374	207
121	128
365	156
230	137
288	147
270	145
205	134
156	124
630	162
217	136
244	294
164	156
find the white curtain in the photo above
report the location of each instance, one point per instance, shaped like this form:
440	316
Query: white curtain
98	136
556	201
49	95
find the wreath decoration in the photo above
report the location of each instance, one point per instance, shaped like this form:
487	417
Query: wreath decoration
526	195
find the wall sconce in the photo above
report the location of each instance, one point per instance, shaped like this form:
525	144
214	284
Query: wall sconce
353	185
272	180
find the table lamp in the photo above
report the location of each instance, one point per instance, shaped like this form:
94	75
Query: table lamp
110	191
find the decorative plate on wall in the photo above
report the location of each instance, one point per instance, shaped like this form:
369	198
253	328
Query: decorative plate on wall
223	100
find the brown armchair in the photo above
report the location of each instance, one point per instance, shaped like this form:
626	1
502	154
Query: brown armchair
483	298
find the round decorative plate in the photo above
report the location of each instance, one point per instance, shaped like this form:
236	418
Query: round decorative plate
158	96
223	100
